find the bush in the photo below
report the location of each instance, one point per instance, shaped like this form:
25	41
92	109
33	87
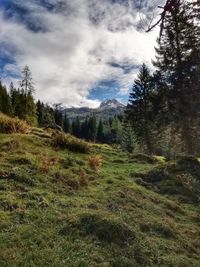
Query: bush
106	230
179	178
143	158
159	229
12	125
67	141
96	162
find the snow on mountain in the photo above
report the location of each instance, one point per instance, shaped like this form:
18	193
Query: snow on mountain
111	103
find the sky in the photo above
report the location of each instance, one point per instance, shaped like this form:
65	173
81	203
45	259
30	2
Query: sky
80	52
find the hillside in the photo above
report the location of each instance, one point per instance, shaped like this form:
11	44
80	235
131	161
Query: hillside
59	208
108	108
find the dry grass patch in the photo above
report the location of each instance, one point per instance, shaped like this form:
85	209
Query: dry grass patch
12	125
96	162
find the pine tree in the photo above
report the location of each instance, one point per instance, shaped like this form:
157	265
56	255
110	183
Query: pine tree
5	101
76	127
116	131
58	116
178	62
139	108
40	112
92	128
27	82
128	139
66	124
100	132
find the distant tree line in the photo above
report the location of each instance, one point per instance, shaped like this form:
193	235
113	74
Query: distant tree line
164	107
19	102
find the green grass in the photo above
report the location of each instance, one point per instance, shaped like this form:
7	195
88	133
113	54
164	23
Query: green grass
55	210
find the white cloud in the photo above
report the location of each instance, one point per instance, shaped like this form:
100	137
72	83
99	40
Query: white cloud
74	54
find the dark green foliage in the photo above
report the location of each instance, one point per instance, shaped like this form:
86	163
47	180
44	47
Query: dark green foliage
109	131
66	125
166	103
92	129
58	116
22	101
100	132
143	158
128	138
139	110
45	114
5	101
179	178
26	83
178	60
76	128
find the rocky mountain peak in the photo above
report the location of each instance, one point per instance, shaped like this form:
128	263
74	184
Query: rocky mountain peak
111	103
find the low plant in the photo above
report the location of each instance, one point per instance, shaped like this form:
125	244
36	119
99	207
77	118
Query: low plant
96	162
67	141
12	125
106	230
143	158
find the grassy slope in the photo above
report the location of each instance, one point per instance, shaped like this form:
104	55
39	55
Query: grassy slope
47	220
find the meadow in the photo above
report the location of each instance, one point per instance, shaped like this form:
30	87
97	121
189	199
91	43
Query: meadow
95	207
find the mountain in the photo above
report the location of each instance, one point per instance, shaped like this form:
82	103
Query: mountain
111	104
108	108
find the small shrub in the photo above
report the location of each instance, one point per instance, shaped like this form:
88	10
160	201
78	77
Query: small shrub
21	177
83	179
72	182
123	262
66	141
106	230
160	229
12	125
143	158
47	162
156	175
12	144
95	162
66	180
21	160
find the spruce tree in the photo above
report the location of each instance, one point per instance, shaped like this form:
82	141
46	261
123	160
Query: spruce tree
27	82
66	124
139	109
178	62
5	101
92	128
128	140
100	132
58	116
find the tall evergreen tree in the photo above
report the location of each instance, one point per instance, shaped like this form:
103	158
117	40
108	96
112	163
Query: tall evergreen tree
92	128
178	62
76	127
139	108
66	124
127	140
5	101
58	114
26	83
100	132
